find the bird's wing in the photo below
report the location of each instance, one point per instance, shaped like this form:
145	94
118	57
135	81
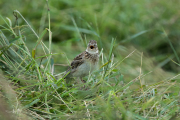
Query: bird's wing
80	56
78	60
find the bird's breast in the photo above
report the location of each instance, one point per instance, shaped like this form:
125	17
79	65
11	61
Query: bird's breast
84	69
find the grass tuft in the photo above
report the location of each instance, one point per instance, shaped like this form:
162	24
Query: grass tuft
126	86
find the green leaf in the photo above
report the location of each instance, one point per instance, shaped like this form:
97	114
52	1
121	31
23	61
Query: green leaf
172	46
32	103
40	38
16	38
33	53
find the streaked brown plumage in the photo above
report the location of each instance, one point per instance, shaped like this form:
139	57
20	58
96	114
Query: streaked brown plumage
84	63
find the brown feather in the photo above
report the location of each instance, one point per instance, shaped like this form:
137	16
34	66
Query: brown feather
90	56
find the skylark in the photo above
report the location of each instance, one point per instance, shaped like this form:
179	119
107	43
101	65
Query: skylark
84	63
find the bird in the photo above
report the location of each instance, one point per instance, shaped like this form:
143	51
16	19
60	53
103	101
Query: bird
84	63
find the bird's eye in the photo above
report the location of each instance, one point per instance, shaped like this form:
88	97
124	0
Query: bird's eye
91	47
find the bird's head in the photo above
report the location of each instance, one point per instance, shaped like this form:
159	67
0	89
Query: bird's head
92	47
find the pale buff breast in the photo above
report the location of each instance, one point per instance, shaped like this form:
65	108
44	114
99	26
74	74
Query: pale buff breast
84	69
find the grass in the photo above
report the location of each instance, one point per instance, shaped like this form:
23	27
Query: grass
128	84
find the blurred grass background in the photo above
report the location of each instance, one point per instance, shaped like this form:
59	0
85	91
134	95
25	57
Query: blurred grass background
139	24
149	27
